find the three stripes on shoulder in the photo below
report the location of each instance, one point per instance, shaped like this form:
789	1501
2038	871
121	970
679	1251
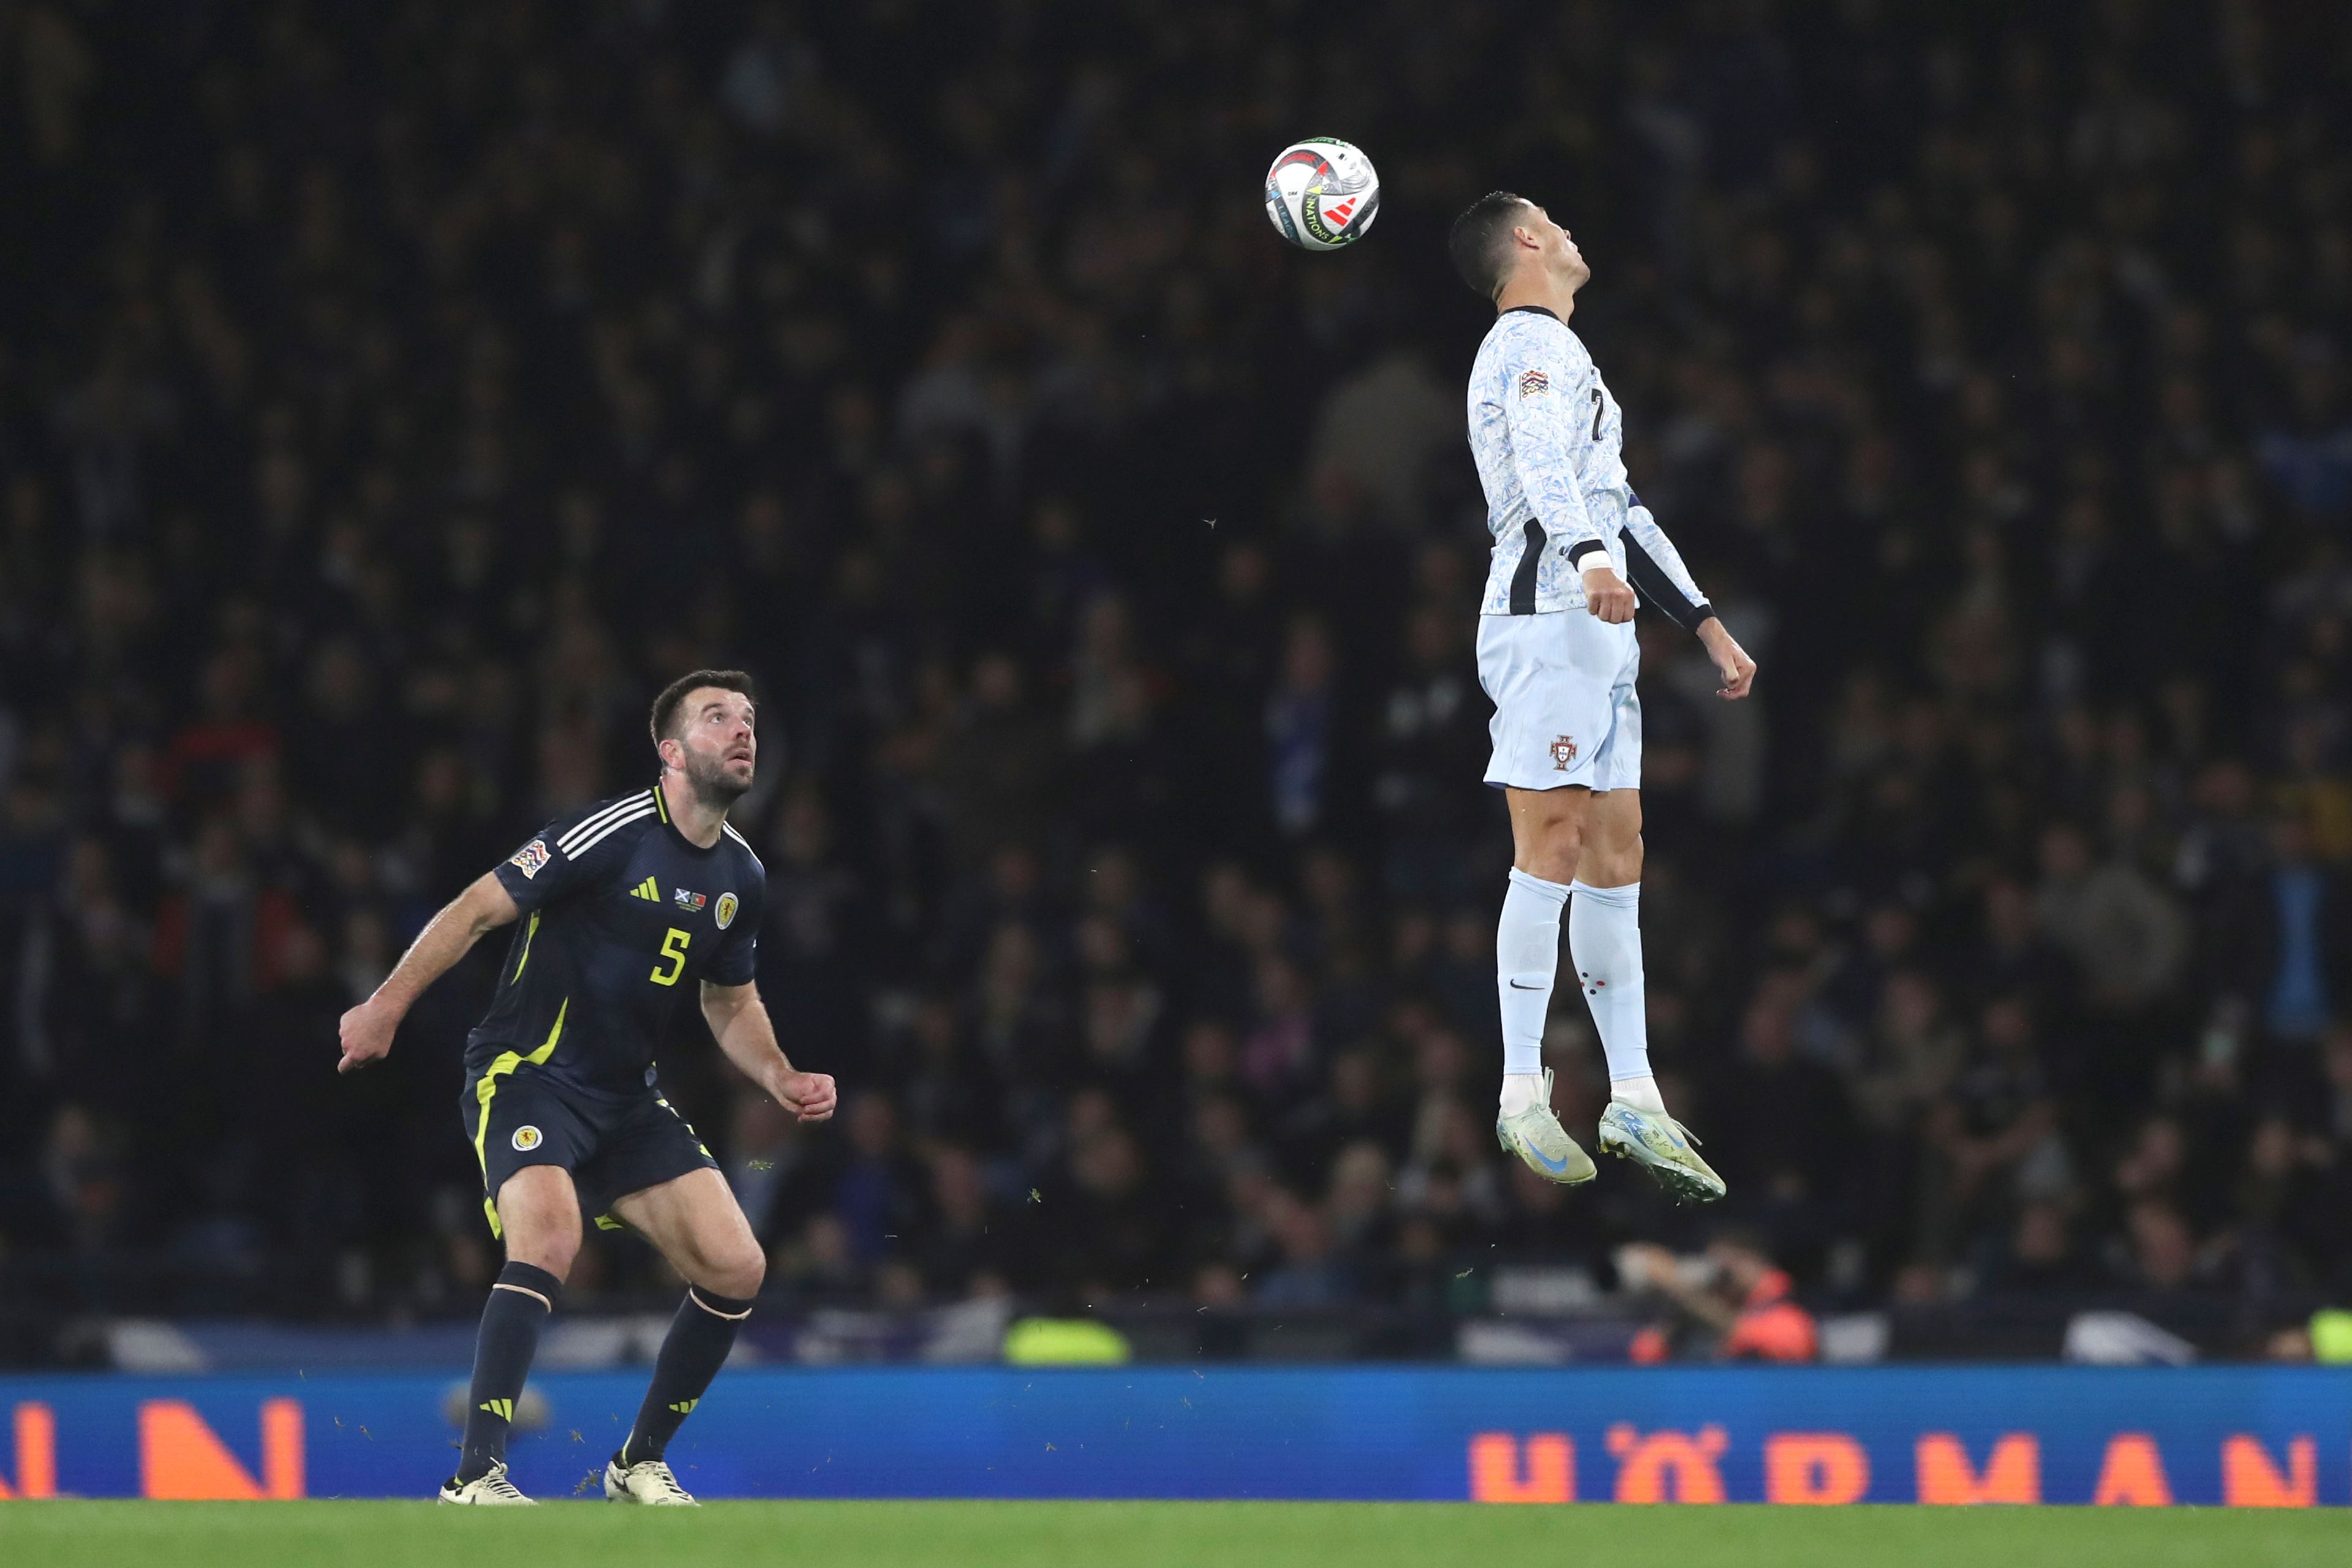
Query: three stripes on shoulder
590	831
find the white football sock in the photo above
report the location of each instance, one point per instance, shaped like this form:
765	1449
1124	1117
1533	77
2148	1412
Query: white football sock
1641	1093
1604	938
1521	1091
1527	956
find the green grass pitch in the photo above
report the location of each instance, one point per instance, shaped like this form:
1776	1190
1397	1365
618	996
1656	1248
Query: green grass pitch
1152	1535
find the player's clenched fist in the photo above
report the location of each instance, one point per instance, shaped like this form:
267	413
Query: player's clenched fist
1731	662
807	1094
1606	593
367	1030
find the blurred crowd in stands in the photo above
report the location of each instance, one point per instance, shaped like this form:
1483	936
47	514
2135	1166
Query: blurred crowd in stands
393	397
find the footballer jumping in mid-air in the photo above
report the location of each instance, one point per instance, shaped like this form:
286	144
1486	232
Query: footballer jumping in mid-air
629	902
1557	654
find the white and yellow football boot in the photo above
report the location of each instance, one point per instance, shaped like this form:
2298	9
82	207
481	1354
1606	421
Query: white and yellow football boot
1536	1136
1662	1146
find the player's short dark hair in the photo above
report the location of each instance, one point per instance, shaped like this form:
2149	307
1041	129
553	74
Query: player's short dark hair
1476	240
673	696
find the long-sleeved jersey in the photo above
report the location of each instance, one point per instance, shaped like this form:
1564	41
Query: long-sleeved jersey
1548	441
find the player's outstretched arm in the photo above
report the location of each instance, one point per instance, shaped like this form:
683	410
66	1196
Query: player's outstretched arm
738	1020
367	1029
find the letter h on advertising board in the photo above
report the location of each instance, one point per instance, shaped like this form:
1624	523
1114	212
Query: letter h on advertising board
1496	1475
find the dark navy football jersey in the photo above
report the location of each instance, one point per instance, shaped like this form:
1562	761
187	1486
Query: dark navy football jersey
621	917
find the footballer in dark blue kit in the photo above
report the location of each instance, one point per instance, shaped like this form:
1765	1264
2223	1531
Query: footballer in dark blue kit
619	909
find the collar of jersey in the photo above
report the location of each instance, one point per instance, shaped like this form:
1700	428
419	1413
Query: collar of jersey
661	812
1538	310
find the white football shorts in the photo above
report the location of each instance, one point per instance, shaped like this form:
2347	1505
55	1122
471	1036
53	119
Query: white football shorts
1566	712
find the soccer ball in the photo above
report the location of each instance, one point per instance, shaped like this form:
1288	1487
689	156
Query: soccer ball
1322	193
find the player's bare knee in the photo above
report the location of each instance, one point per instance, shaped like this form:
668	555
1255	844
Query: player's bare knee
1611	865
1547	828
554	1252
1610	856
545	1241
1552	851
738	1271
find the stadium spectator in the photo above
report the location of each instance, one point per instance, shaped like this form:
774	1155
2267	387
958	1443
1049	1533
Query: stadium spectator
1732	1293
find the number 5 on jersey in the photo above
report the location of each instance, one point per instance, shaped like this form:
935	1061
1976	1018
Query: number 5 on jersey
673	952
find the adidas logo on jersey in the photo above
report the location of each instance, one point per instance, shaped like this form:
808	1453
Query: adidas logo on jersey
646	889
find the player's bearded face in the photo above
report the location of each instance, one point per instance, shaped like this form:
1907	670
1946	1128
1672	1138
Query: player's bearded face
721	774
721	755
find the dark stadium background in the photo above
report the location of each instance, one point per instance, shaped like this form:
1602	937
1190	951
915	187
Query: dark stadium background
393	397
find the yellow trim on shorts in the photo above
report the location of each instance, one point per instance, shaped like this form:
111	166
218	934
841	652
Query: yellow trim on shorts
487	1088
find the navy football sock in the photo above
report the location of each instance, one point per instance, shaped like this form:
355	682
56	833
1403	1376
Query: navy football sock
519	1305
692	1353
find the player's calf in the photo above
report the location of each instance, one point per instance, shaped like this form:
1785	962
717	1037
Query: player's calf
699	1339
521	1303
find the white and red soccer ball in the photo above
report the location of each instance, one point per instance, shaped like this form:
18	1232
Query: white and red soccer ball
1322	193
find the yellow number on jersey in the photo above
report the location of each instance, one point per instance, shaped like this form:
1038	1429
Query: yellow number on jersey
673	952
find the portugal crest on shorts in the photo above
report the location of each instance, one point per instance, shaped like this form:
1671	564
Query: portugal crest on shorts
1563	752
526	1139
725	913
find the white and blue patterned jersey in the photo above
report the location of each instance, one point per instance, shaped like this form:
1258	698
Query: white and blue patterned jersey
1548	441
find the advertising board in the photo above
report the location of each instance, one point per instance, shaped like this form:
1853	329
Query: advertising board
2243	1436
